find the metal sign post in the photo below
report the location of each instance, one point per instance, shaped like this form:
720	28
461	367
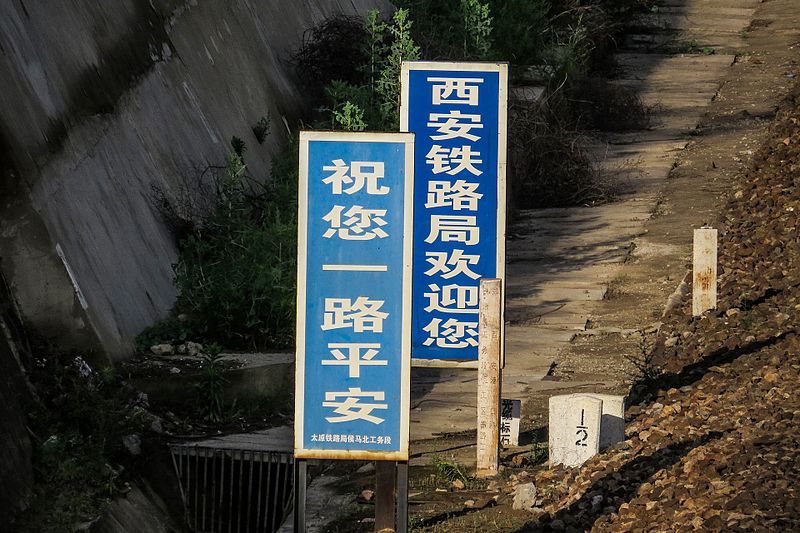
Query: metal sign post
352	382
458	113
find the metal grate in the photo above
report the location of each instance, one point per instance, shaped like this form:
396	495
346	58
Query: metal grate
229	490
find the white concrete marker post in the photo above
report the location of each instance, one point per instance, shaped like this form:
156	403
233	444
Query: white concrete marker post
489	327
612	423
704	271
574	429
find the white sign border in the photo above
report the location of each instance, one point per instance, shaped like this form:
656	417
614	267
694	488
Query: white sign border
502	161
302	259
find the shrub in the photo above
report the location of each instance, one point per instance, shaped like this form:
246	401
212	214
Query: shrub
597	104
235	273
548	164
368	95
332	50
77	423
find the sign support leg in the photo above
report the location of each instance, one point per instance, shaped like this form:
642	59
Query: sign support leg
300	476
489	377
385	488
402	497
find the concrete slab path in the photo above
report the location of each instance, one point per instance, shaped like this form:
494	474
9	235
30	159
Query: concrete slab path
562	259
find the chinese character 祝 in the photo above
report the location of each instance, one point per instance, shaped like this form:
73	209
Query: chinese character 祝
354	355
454	228
451	265
359	225
362	173
463	91
451	334
452	127
351	408
362	314
457	195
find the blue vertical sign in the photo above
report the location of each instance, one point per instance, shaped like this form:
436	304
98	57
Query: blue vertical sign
458	113
354	295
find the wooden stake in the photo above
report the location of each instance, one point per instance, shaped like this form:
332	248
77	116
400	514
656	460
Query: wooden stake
489	327
385	493
704	282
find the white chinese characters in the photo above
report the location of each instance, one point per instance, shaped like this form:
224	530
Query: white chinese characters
354	355
458	91
455	128
352	408
355	223
361	314
358	175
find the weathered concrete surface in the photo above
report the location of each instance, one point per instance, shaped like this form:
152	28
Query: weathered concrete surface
101	101
16	469
277	439
252	375
561	260
140	510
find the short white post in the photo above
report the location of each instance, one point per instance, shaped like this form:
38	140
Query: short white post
574	429
704	271
489	326
612	423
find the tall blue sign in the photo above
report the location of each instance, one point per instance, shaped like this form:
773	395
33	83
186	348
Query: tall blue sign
458	113
354	295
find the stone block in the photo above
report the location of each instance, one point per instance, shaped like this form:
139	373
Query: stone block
574	428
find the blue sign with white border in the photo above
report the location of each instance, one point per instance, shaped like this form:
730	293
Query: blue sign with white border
354	295
458	112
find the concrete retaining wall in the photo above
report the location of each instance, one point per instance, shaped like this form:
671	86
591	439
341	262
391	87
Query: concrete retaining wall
100	101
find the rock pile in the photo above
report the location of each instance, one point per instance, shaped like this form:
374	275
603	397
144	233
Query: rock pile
714	444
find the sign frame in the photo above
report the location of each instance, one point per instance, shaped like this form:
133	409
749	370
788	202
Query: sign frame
305	138
502	161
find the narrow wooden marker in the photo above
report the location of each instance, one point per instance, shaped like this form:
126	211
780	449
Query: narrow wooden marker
704	271
489	327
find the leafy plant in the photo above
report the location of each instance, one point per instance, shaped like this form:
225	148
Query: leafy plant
171	330
372	90
477	29
449	470
77	424
235	273
261	128
210	386
350	118
646	372
539	453
238	146
401	48
332	50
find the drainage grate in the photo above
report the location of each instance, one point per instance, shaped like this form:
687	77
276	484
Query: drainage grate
233	490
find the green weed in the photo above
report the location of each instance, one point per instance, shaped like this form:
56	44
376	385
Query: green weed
449	470
77	422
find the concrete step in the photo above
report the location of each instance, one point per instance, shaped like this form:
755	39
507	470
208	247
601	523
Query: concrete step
171	379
